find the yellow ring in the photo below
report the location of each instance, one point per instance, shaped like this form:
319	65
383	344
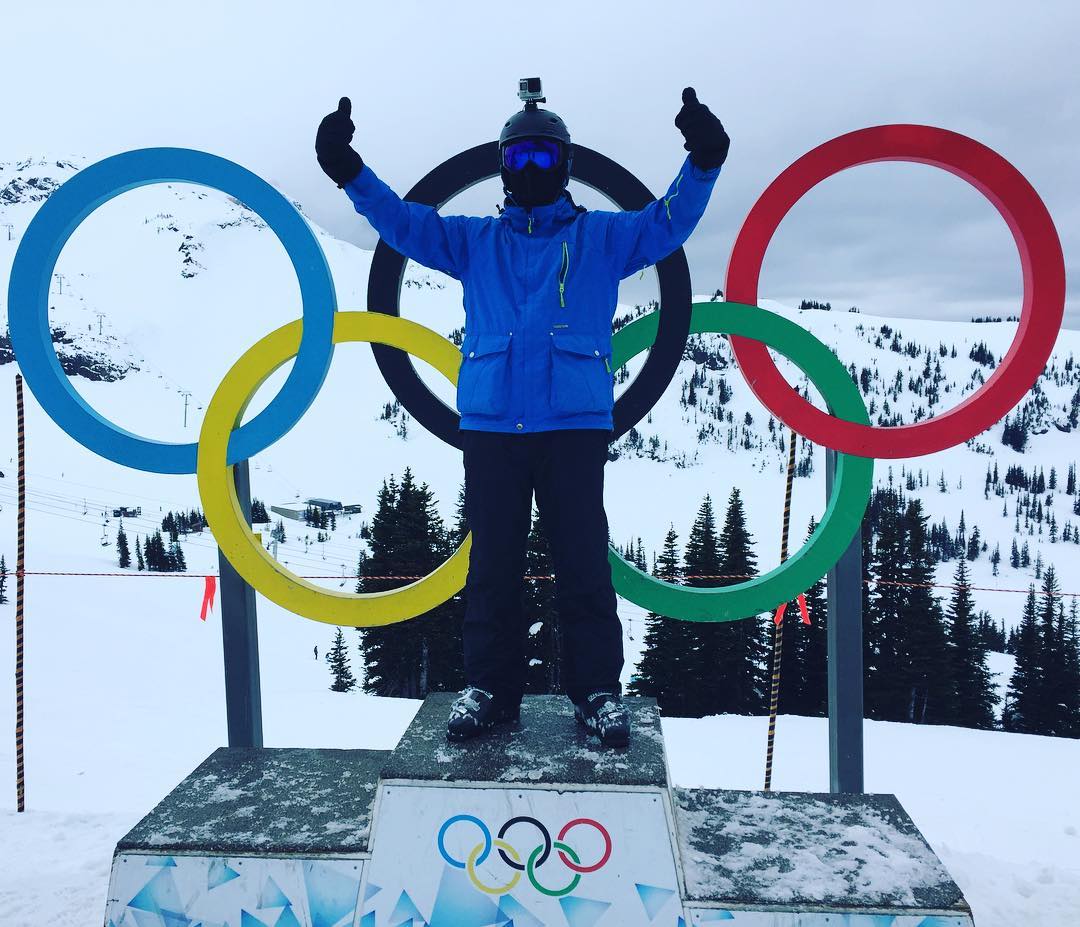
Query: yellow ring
217	488
471	867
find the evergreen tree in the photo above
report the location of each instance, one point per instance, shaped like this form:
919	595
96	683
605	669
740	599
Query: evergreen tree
169	524
926	670
804	680
883	647
727	672
1053	658
543	672
122	550
669	645
161	559
338	659
258	512
139	562
1071	685
975	697
422	655
1023	702
155	552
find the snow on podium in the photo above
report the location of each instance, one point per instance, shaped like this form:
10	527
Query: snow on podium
531	827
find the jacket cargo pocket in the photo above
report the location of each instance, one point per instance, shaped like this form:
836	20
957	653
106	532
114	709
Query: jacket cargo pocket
484	380
580	376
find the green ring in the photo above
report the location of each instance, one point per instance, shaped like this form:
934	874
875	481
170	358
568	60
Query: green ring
847	503
553	893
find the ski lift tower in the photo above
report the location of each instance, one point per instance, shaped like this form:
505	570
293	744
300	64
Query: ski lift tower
186	393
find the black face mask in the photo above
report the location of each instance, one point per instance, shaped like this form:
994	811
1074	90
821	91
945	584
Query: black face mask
531	186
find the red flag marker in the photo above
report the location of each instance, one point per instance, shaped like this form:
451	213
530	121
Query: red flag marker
779	616
805	611
208	596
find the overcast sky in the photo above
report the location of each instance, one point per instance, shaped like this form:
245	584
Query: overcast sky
250	81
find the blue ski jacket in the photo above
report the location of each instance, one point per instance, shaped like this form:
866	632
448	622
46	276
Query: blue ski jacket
541	288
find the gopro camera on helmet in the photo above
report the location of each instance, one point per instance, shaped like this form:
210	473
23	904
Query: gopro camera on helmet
530	90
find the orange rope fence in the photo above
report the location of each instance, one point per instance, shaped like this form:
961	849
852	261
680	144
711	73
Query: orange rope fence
132	574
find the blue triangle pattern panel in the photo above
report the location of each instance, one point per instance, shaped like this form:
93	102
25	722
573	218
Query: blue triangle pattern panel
458	904
331	894
510	909
583	912
653	897
157	895
219	873
288	919
271	895
404	910
200	891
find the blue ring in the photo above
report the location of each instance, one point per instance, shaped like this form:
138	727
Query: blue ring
28	303
483	829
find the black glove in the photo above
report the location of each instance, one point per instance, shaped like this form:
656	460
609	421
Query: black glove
705	137
336	157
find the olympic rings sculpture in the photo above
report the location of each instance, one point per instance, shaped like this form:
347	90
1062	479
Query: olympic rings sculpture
537	857
752	331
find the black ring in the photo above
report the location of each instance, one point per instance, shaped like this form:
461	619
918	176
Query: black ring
592	169
543	830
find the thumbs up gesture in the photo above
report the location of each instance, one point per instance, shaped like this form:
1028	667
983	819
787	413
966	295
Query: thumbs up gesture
332	149
705	137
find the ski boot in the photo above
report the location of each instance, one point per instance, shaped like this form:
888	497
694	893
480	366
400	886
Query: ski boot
604	714
475	711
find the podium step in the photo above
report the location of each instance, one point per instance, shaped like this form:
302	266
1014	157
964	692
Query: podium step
251	837
534	825
531	825
548	746
794	858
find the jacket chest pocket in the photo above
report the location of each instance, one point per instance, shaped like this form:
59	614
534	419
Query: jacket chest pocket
484	379
580	373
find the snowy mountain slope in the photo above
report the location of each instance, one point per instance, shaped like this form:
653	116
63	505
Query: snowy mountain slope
181	280
124	683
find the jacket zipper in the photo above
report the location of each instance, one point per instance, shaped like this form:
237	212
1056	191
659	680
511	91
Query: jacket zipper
562	275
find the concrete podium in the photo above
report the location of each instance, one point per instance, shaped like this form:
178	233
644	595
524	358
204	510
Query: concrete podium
530	827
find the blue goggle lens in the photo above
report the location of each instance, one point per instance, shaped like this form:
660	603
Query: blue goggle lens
544	154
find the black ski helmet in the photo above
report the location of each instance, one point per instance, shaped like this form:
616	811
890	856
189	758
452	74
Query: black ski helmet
533	122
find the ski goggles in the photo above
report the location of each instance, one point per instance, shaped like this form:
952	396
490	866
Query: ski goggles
544	153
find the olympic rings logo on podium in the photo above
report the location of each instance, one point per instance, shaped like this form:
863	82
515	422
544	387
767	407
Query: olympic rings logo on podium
845	426
536	858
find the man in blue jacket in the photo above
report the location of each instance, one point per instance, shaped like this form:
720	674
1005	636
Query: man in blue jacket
541	282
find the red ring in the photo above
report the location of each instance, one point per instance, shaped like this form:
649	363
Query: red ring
603	833
1040	313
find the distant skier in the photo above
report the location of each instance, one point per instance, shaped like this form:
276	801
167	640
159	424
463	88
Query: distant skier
316	651
535	390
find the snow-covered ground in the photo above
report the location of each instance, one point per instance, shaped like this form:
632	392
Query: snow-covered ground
124	683
125	699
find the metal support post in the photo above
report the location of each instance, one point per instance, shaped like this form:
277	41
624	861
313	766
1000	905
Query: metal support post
240	640
845	643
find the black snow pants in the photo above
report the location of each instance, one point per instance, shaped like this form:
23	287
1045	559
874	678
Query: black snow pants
566	471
